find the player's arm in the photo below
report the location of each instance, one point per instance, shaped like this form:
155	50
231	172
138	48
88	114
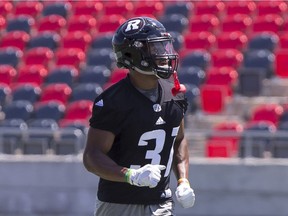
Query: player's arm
95	158
184	193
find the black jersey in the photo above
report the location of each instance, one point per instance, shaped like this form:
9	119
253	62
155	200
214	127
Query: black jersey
144	131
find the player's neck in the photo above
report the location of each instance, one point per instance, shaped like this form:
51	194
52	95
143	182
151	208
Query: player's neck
142	81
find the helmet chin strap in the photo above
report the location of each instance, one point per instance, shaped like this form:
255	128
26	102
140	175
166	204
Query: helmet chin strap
178	88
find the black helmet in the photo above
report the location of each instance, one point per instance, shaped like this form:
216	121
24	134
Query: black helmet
144	45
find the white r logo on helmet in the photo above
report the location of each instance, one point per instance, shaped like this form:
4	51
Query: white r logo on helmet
133	25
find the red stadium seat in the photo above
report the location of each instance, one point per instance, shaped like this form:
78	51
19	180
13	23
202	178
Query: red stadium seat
6	8
110	23
224	141
16	38
267	112
77	39
8	74
227	58
240	7
232	40
213	98
32	8
92	8
281	66
283	40
2	23
269	22
205	22
123	8
272	7
86	23
70	56
56	91
209	7
117	75
32	74
199	40
155	8
237	22
39	55
55	23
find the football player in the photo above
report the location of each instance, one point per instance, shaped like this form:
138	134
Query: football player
136	135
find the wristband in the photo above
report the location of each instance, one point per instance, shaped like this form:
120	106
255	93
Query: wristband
127	176
181	180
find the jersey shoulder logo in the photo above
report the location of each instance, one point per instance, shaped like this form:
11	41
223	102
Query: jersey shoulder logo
100	103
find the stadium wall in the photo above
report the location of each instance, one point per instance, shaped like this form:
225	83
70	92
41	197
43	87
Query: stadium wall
60	186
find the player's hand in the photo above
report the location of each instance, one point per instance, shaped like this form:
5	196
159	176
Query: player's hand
185	194
146	176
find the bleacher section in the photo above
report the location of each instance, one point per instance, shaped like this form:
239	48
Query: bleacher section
55	58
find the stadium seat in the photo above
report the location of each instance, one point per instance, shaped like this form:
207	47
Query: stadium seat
39	56
86	91
237	22
262	59
56	91
263	40
224	76
13	132
280	65
200	58
48	39
178	40
224	140
18	110
26	92
278	7
117	75
49	110
213	98
54	23
70	56
174	22
76	39
11	56
16	38
58	8
96	57
94	74
267	112
5	94
32	8
77	110
100	41
284	117
269	22
24	23
62	74
240	7
109	23
256	139
226	58
155	8
191	75
250	81
84	23
192	94
232	40
199	40
209	7
283	40
204	22
2	23
123	8
93	8
6	8
8	74
41	133
35	74
184	8
280	143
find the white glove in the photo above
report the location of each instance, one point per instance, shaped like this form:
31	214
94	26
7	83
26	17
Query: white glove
185	194
146	176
